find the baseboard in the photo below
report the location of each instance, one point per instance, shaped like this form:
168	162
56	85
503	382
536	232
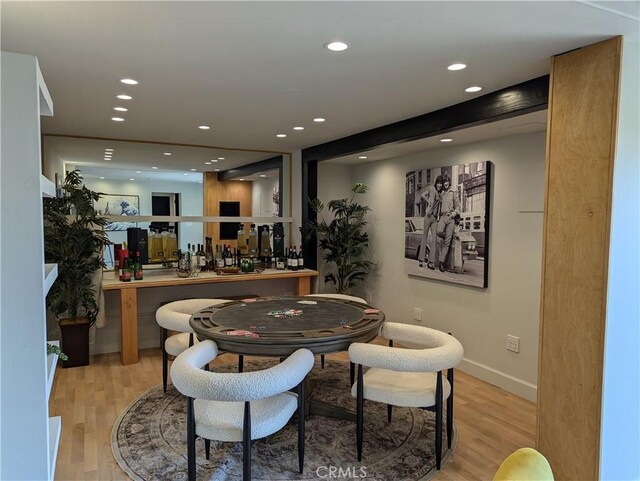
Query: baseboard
500	379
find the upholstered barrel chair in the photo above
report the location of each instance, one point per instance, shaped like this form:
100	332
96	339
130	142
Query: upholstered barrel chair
239	407
174	316
407	377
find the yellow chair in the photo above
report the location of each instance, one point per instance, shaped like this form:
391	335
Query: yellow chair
525	464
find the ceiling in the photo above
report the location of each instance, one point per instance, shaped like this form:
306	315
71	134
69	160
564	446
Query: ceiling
251	70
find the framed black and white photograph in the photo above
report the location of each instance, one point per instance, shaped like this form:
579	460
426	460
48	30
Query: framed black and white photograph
446	227
116	204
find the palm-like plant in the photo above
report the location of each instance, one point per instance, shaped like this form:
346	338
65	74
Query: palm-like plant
74	238
343	240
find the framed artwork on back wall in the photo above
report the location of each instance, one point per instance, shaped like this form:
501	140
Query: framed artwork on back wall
116	204
446	227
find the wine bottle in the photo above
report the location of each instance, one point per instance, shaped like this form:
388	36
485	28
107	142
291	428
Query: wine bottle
137	268
202	259
208	255
294	259
300	259
219	258
228	257
126	269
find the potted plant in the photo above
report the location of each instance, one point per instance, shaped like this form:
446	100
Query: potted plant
74	238
343	239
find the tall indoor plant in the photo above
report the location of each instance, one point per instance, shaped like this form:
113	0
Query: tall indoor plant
74	238
343	239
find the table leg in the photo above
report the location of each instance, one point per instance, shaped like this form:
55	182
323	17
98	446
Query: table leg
304	286
128	326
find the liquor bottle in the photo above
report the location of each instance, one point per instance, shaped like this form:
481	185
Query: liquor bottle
253	241
300	260
219	258
228	257
188	256
287	256
265	243
208	255
242	240
126	269
171	253
294	259
202	259
137	268
281	263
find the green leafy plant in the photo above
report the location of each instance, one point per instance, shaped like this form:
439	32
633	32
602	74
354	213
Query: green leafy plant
343	240
74	238
52	349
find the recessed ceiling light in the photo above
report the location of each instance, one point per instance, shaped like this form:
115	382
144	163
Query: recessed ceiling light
446	140
207	163
262	175
319	119
138	172
121	109
154	168
281	135
362	157
107	158
456	66
186	174
199	182
102	178
129	81
124	97
117	119
167	153
72	162
220	158
336	46
475	88
204	127
108	150
298	128
132	179
216	170
193	170
241	179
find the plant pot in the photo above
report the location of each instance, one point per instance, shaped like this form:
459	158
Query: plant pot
75	341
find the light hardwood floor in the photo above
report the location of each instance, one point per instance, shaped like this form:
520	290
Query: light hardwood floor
491	422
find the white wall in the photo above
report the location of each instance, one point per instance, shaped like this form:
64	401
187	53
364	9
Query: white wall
620	437
190	204
262	197
480	318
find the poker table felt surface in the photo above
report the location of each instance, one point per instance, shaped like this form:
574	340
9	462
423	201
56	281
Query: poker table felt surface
329	325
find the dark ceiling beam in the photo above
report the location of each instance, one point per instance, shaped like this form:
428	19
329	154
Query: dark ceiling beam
520	99
250	169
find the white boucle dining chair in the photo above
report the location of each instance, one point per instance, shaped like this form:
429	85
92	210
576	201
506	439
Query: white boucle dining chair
239	406
407	377
174	316
344	297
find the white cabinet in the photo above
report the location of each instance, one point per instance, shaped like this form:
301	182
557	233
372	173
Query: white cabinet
28	437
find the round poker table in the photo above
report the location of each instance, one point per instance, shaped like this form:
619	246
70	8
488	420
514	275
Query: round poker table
278	326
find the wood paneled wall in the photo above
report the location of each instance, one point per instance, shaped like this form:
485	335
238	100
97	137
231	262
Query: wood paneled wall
228	190
581	135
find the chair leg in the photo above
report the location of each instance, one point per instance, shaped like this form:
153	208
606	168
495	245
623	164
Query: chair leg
321	361
389	412
360	413
191	441
352	372
240	363
301	426
438	420
207	448
246	443
165	360
450	409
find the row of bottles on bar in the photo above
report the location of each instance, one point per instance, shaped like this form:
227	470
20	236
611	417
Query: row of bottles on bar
293	259
131	265
163	245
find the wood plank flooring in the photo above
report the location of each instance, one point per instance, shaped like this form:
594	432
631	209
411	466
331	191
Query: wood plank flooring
491	422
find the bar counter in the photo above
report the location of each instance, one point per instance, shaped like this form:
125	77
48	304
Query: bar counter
167	278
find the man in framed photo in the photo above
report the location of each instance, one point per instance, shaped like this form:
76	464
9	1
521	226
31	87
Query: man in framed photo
431	198
449	213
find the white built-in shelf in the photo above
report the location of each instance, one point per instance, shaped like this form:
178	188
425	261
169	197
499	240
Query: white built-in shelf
52	362
188	218
47	187
55	426
50	275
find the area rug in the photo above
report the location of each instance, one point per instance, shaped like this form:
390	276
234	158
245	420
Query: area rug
149	440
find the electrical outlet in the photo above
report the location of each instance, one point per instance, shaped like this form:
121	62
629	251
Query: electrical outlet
417	314
513	343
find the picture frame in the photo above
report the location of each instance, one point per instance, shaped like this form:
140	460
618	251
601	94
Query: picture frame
118	204
456	245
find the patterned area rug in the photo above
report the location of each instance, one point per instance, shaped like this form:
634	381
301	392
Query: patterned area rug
149	440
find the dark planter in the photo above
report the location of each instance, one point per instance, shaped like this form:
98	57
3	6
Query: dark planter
75	341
